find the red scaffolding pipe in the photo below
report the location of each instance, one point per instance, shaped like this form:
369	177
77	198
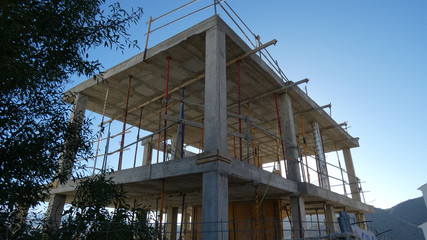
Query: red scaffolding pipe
160	126
166	110
125	115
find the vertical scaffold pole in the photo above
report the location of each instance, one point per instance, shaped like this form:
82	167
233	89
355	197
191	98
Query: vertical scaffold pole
326	218
301	161
305	147
318	223
107	145
254	144
125	115
248	137
281	135
100	130
239	109
317	168
166	110
137	137
160	126
256	211
203	133
234	146
148	34
182	125
182	217
342	174
162	196
290	221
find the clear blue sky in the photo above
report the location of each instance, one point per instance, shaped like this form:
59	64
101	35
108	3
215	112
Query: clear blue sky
366	57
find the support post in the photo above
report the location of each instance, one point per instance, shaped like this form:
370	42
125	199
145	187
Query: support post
54	211
215	116
215	206
320	158
215	184
172	223
331	219
299	220
57	201
291	152
354	183
148	152
291	149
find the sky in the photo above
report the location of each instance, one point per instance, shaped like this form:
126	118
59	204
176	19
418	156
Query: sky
368	58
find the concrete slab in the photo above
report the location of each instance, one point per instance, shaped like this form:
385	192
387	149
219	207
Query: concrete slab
187	50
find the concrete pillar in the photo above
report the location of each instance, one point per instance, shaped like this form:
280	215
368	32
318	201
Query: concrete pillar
214	206
186	225
172	224
354	183
332	221
66	162
176	145
57	201
148	152
54	210
320	158
360	218
215	116
291	151
299	220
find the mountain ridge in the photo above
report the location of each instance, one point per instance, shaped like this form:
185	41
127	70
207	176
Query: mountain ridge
403	219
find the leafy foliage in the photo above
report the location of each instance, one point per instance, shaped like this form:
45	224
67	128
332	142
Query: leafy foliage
88	218
43	42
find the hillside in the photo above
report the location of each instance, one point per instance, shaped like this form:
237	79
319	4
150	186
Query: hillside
403	219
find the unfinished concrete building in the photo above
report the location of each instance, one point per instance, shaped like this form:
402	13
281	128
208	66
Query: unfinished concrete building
228	145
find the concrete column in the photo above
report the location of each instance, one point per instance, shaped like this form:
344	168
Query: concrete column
148	152
66	162
360	218
54	210
172	224
176	145
331	219
215	116
214	206
320	158
291	150
298	216
354	183
186	225
57	201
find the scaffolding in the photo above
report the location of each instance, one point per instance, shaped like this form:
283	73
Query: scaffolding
275	159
